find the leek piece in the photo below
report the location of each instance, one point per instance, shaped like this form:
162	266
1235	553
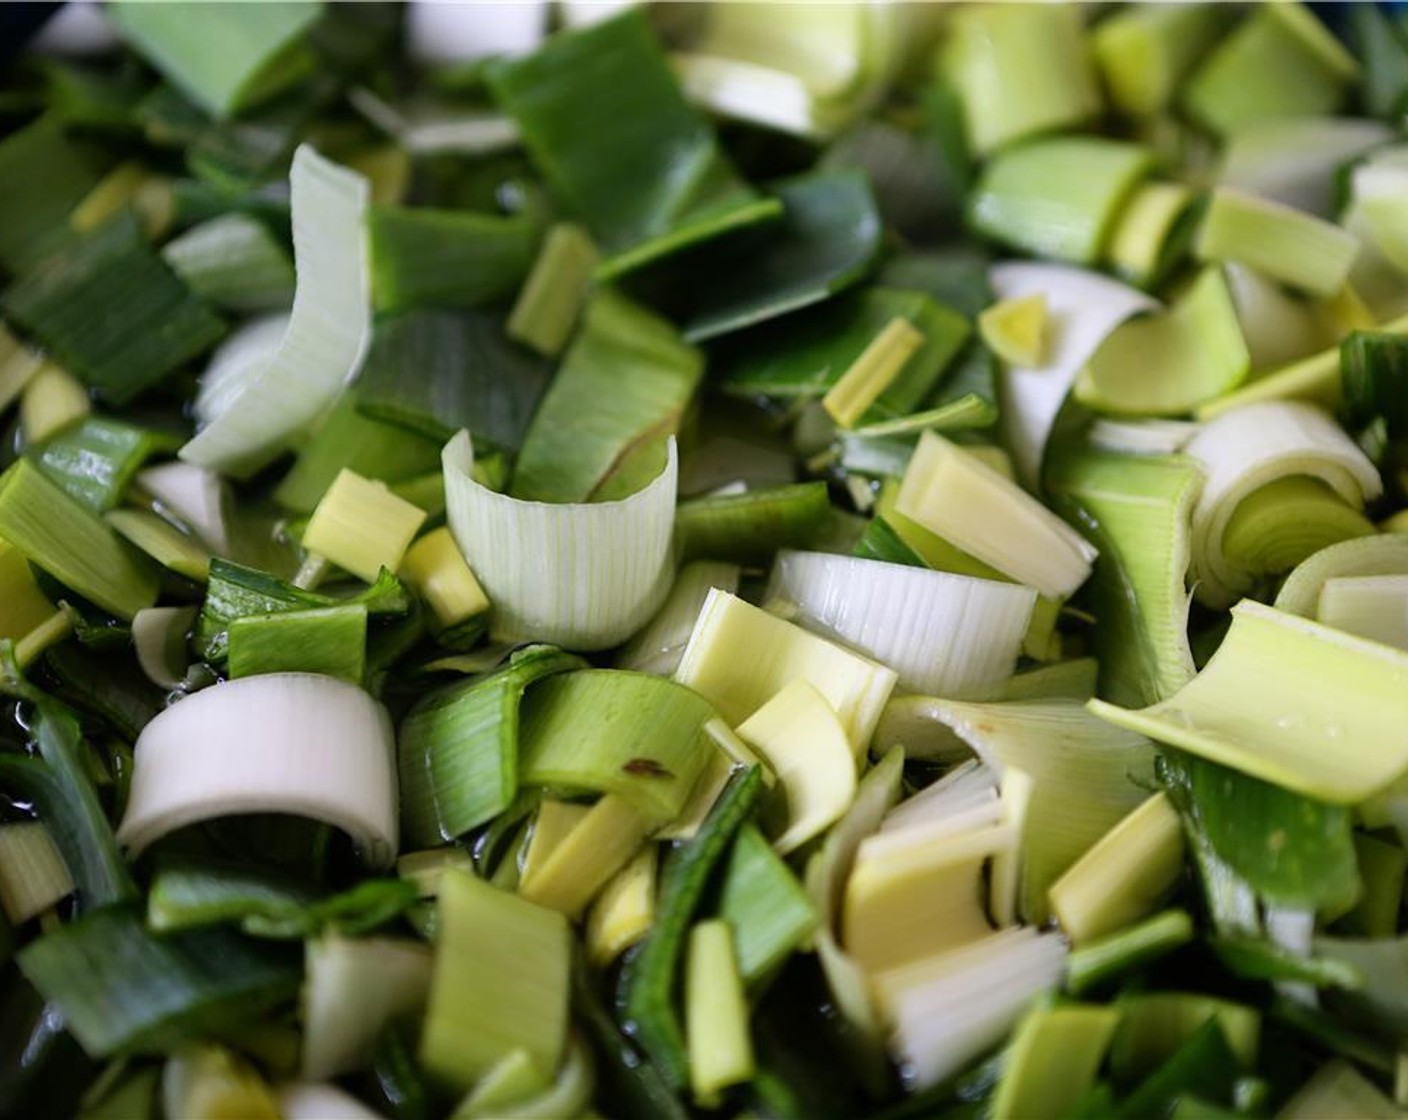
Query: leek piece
1126	876
663	172
233	261
627	378
1149	236
435	568
1145	53
659	646
1279	62
1088	307
446	258
320	1102
1167	365
945	635
1107	957
1283	730
122	989
97	460
244	747
1279	525
207	1082
1283	244
568	1095
59	535
611	731
1242	451
625	909
989	43
42	202
329	640
510	1080
948	1009
872	373
599	846
240	57
1294	160
33	876
716	1013
160	636
1154	1025
826	241
500	983
1279	327
1203	1065
542	564
731	754
1373	366
749	528
555	292
1016	329
52	401
22	605
458	748
1378	43
647	988
426	868
800	737
768	911
1383	868
1376	1004
739	657
361	526
1339	1090
112	313
1062	680
955	496
18	364
552	824
1137	509
1058	197
352	990
1052	1060
326	338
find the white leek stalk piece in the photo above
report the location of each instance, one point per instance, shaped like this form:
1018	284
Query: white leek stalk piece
195	496
976	509
159	636
1385	555
1294	160
439	33
328	330
1082	309
799	736
1245	449
1279	327
660	645
948	1009
579	575
33	875
1142	437
739	657
293	743
1293	703
238	362
308	1101
1373	607
353	988
944	634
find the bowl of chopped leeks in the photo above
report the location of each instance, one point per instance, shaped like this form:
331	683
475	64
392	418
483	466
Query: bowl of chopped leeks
742	560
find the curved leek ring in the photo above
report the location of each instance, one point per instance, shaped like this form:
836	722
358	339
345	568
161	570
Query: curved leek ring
295	743
1385	555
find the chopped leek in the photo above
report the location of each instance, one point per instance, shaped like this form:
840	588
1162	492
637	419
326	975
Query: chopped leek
1053	1059
1284	244
1016	329
97	460
330	640
32	873
766	907
659	645
624	911
435	567
716	1015
555	291
362	526
1144	52
585	859
235	262
748	528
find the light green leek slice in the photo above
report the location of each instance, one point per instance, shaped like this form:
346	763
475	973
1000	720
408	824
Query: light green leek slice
1166	365
872	373
658	647
22	605
52	401
580	865
1373	607
360	525
1145	52
739	657
1146	238
555	292
1126	876
1277	526
208	1082
1284	244
235	262
18	363
1383	555
800	737
716	1013
1062	680
327	333
436	568
500	983
1016	329
1294	160
1291	702
1052	1061
545	566
988	43
1280	328
1058	197
624	910
1153	1025
1339	1091
1383	870
990	517
328	640
748	528
1242	451
766	907
611	731
509	1081
33	876
1106	958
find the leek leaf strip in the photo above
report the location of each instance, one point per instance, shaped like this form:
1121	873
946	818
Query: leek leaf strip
649	981
235	262
327	640
1292	850
1252	959
748	528
447	258
1091	966
628	185
436	372
96	461
186	895
766	907
1374	369
125	990
43	176
1204	1066
627	378
880	542
458	748
112	313
59	785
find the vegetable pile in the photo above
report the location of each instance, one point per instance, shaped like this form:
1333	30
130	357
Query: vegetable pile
742	560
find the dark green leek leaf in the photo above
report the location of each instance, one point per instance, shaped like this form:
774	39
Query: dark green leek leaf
458	748
112	313
956	277
626	380
1291	850
913	189
93	98
1106	958
107	682
1251	959
1203	1066
436	372
125	990
327	640
881	542
1374	366
1383	55
768	911
96	461
43	176
1330	1032
749	527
